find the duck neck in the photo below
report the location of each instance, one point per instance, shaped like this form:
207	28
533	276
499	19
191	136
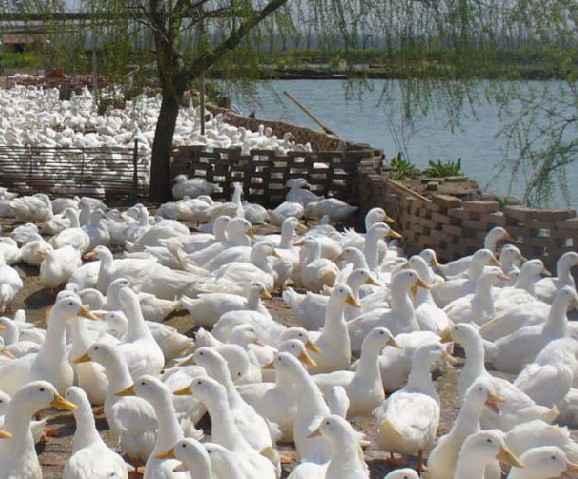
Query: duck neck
556	325
526	282
137	327
474	365
309	396
223	429
491	242
347	455
225	466
475	270
287	235
219	232
170	431
483	301
78	337
314	253
368	372
17	422
11	334
371	251
420	378
236	197
565	277
74	219
53	351
118	375
222	375
335	324
254	299
359	260
402	304
86	433
468	420
260	260
105	271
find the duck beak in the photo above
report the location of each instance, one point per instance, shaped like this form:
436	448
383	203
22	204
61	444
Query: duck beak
435	263
413	291
508	237
266	294
494	261
505	456
275	254
5	434
420	284
373	281
446	336
60	403
269	366
571	469
2	327
316	433
307	360
85	358
310	346
392	343
301	228
494	401
523	259
299	242
251	233
129	391
504	277
546	272
180	468
184	392
170	454
84	312
351	301
7	353
393	235
388	219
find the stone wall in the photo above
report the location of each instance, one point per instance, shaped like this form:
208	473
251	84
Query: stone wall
456	228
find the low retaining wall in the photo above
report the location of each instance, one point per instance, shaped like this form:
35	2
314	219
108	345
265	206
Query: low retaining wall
456	228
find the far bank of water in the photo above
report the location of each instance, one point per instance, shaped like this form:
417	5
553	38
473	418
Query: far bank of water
375	117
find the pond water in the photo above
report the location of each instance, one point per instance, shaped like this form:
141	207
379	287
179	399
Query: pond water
371	112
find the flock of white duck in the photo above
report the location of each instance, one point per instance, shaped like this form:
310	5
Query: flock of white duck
367	328
34	116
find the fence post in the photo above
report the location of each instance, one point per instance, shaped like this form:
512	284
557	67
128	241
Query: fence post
135	171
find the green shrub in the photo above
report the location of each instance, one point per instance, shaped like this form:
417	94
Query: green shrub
443	169
402	168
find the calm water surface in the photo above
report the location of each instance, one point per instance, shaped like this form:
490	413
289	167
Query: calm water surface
377	120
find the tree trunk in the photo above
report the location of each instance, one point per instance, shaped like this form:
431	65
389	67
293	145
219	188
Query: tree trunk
160	177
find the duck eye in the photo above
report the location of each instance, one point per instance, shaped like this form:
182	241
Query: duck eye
143	383
239	374
70	303
553	458
42	389
489	441
184	446
199	382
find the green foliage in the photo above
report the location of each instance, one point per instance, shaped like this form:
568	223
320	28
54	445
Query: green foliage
22	61
402	169
444	169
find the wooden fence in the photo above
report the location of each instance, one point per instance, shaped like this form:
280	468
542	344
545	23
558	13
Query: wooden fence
264	174
108	173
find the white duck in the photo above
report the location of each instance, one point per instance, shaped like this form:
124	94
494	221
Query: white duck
50	363
10	284
73	236
546	288
142	353
193	457
334	342
400	318
337	210
544	463
477	308
287	209
208	308
132	420
59	265
482	450
90	454
364	385
517	407
455	288
18	457
513	352
408	419
429	316
491	241
443	458
298	193
548	379
224	430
